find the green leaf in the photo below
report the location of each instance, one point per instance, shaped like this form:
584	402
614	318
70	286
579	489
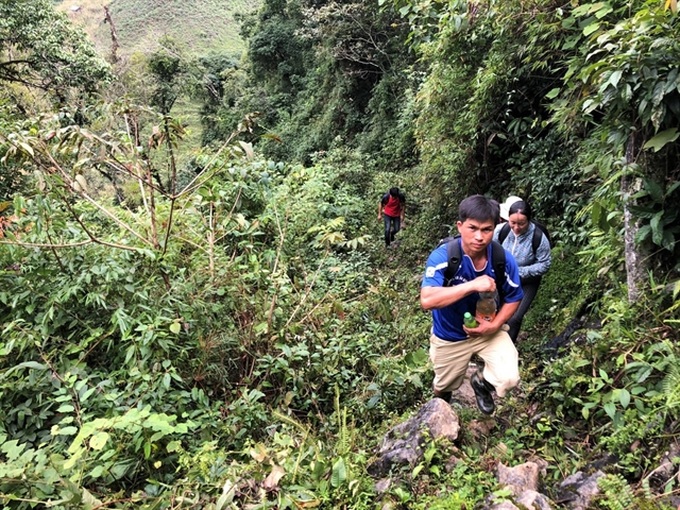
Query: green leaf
642	234
99	440
12	449
614	78
67	431
655	190
668	241
416	358
624	398
339	474
96	472
583	10
603	11
657	228
166	380
119	470
661	139
610	409
27	364
590	28
173	446
27	148
175	327
553	93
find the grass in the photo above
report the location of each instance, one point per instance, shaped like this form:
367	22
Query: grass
201	27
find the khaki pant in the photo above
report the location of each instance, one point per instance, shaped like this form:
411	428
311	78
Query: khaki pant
451	361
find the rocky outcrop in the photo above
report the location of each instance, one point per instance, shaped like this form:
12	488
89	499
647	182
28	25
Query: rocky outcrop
403	445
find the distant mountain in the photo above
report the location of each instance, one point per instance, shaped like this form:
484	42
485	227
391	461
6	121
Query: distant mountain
199	26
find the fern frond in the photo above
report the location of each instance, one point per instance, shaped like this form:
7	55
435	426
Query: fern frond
671	386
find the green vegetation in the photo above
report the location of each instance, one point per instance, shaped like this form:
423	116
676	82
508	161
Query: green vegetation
195	306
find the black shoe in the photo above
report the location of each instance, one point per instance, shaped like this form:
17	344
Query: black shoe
444	395
483	390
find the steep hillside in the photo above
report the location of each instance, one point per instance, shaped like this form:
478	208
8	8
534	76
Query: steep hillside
201	26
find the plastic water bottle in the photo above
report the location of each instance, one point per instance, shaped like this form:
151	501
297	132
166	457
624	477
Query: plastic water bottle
486	306
469	320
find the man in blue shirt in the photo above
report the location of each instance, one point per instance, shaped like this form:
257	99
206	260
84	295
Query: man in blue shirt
452	345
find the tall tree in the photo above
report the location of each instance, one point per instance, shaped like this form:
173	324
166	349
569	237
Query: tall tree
39	48
625	81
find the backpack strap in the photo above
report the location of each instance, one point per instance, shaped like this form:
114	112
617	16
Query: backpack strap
505	230
536	240
498	264
455	256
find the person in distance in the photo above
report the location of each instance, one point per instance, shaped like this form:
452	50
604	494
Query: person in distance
391	210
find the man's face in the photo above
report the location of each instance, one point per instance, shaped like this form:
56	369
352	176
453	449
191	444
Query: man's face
475	235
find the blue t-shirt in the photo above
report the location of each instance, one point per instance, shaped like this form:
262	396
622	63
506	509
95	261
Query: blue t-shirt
447	322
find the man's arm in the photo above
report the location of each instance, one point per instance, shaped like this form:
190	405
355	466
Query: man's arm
439	297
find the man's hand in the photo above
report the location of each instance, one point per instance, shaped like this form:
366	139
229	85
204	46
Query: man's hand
484	328
484	283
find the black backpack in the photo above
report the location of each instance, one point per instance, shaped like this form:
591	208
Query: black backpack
539	232
455	256
386	197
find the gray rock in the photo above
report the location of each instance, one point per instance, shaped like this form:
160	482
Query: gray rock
519	478
403	444
666	470
577	491
504	505
383	485
524	481
534	500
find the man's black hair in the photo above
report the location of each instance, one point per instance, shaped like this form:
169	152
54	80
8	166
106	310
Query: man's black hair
479	208
394	191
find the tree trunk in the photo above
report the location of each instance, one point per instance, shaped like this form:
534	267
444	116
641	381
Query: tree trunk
635	259
114	35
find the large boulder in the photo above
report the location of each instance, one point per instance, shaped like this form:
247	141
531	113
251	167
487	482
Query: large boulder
403	445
